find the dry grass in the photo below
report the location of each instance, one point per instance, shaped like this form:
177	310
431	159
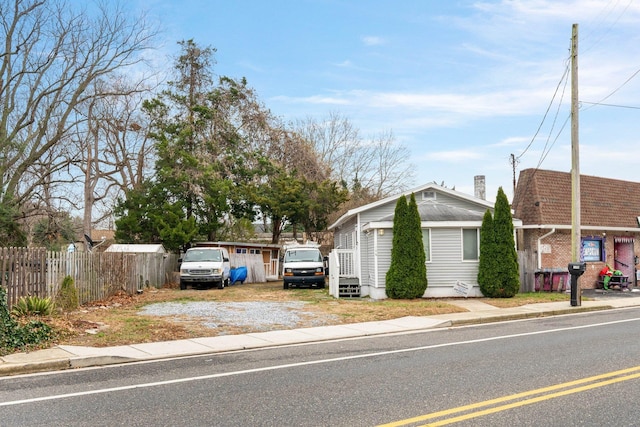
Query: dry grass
117	321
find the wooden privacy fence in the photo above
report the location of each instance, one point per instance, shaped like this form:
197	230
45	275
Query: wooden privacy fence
35	271
527	262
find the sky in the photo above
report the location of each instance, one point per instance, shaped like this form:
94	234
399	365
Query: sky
466	86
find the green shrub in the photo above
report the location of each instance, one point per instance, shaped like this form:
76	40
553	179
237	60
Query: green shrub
487	269
407	274
498	272
14	336
67	297
33	305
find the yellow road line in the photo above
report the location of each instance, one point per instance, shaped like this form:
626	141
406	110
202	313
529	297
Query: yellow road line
503	399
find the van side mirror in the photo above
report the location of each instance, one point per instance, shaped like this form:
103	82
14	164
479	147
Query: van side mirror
225	259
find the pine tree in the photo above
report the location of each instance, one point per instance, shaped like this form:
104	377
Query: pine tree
396	272
407	274
487	263
417	268
507	278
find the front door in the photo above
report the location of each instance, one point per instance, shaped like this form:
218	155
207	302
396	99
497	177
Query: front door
623	257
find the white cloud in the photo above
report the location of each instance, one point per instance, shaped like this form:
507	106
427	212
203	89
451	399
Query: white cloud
373	40
344	64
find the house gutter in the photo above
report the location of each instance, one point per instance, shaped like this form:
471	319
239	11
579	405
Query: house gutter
553	230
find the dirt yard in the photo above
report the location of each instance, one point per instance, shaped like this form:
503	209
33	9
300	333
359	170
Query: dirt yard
121	319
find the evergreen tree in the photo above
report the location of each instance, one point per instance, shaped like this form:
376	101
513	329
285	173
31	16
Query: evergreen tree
507	278
487	265
395	275
407	274
417	259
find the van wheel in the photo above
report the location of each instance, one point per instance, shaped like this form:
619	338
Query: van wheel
285	285
221	284
183	286
226	282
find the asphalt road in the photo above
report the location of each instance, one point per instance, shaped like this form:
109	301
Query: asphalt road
574	370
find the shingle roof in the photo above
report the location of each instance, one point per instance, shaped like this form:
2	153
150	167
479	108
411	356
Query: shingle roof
481	203
434	211
544	197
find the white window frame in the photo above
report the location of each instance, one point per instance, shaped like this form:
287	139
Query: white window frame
427	244
428	195
462	233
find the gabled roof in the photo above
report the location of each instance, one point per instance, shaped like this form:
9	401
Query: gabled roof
543	197
392	199
434	211
136	248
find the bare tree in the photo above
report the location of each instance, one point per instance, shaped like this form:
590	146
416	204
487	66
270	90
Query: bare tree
387	170
370	168
337	142
112	145
53	55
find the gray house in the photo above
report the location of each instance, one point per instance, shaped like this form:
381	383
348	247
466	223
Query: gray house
451	223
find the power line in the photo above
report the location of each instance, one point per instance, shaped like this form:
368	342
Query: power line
544	117
610	105
615	90
604	16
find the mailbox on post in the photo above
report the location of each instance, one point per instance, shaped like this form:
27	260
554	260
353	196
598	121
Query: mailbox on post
576	269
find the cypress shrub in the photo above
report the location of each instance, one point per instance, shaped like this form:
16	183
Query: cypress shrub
395	276
487	265
407	275
507	277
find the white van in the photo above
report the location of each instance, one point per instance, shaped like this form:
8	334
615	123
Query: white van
303	266
205	266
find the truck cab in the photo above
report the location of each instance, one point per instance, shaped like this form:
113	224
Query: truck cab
205	266
303	266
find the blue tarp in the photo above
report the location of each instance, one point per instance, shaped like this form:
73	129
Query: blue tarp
238	274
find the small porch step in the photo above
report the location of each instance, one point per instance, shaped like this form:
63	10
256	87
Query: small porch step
349	288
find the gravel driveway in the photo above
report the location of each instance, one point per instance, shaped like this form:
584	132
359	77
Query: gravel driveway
261	316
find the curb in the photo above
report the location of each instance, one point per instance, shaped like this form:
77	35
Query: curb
34	367
8	368
532	315
90	361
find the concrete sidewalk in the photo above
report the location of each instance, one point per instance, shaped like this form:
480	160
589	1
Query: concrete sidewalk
66	357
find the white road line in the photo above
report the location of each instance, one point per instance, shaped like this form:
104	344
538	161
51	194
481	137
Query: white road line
308	363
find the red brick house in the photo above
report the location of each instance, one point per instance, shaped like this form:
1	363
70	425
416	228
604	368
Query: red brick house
610	225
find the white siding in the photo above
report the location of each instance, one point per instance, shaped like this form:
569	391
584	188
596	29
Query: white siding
385	243
344	237
378	212
446	266
446	199
367	261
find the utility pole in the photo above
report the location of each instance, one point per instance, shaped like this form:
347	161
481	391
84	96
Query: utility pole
575	267
513	162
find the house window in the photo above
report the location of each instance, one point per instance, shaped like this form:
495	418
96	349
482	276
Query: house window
592	249
426	242
254	251
470	241
428	195
241	250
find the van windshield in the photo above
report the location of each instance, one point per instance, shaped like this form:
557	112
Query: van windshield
202	255
302	255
